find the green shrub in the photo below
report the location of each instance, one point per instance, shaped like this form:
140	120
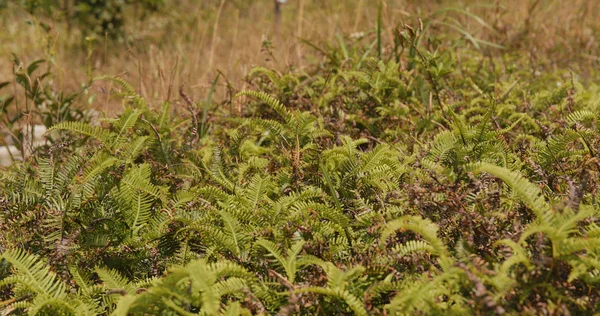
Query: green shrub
95	17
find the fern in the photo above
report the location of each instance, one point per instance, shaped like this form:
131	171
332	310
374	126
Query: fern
269	100
129	91
355	304
95	132
198	283
381	181
421	226
530	194
43	291
124	124
289	264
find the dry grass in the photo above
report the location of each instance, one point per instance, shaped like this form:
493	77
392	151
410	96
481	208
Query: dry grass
194	40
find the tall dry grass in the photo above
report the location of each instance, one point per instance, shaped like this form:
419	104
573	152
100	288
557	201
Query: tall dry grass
191	41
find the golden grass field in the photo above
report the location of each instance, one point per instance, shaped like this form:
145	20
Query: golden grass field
194	40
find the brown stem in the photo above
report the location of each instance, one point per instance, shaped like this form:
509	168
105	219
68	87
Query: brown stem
190	107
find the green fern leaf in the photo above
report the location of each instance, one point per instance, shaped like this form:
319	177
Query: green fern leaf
96	132
271	101
530	194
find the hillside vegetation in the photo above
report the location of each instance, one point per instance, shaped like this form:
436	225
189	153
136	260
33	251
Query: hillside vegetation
443	163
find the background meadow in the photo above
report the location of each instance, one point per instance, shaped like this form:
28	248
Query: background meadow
227	157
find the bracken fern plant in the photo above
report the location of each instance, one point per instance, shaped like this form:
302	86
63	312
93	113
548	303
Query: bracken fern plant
388	182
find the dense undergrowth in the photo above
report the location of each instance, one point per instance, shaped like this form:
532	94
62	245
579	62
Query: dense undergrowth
401	181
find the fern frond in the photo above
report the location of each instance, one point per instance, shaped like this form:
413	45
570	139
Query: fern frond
216	171
96	132
423	227
138	179
413	246
95	166
113	280
51	305
33	274
289	264
133	149
271	126
530	194
271	101
256	191
580	116
129	90
232	226
355	304
126	122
